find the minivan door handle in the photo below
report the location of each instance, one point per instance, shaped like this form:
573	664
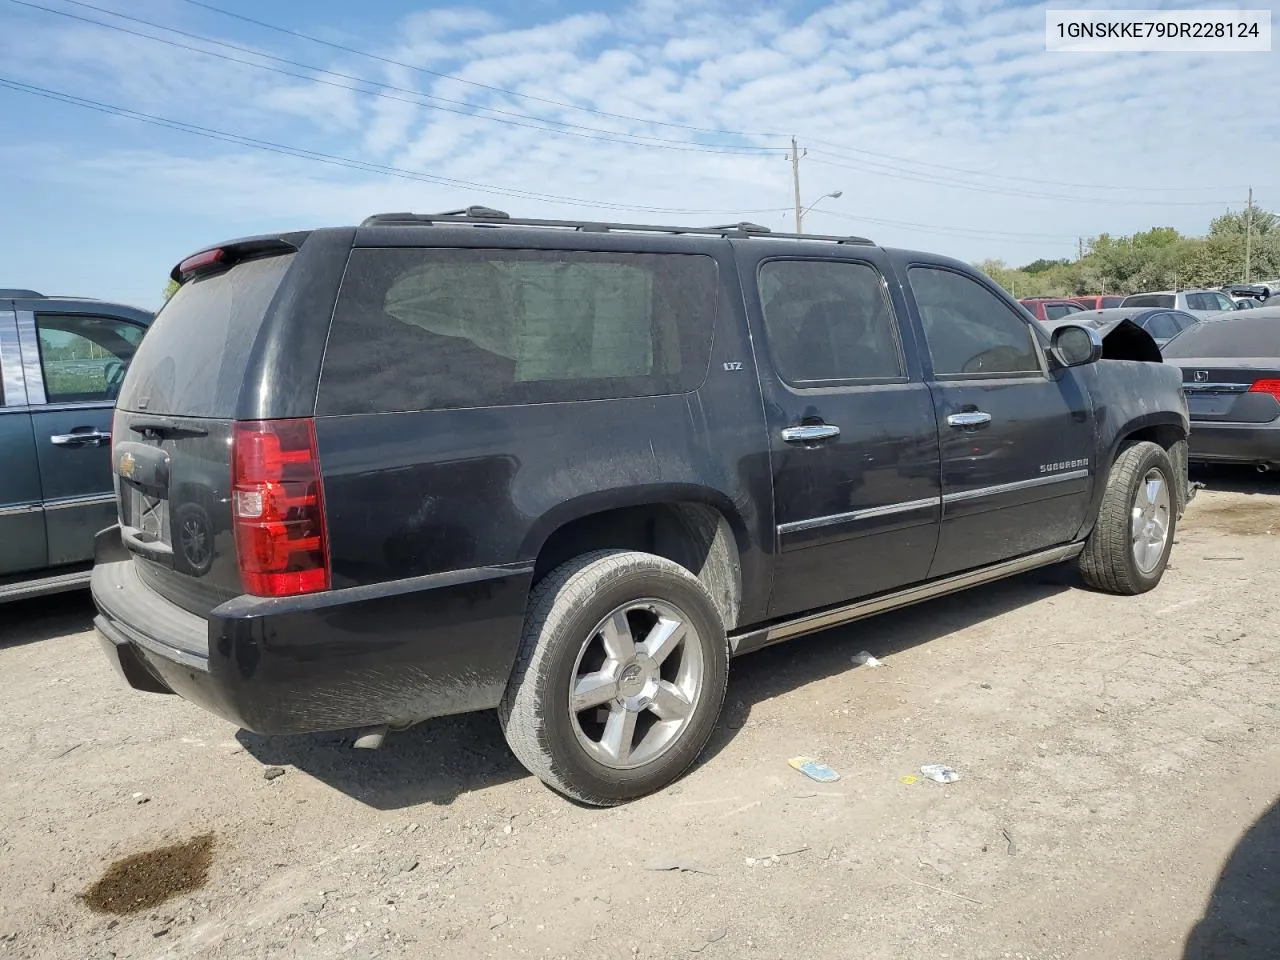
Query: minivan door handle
90	438
970	418
810	432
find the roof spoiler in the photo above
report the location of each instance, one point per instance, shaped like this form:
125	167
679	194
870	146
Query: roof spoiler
227	255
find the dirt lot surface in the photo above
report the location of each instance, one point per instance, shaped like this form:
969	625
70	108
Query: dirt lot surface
1120	762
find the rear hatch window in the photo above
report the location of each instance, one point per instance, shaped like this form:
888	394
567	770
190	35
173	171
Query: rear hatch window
192	361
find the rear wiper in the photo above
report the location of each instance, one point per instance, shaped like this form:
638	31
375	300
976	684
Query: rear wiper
166	429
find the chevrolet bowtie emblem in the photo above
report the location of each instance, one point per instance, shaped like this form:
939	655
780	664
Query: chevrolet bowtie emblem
127	465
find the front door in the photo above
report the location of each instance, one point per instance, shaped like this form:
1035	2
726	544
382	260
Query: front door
75	363
853	442
1017	442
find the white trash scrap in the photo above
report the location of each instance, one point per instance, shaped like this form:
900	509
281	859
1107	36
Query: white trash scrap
940	772
865	659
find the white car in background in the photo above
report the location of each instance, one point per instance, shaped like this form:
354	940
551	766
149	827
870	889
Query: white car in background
1200	303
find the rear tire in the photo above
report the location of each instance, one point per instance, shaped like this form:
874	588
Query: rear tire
1128	550
620	678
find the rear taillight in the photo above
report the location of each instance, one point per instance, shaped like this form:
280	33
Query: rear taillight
1266	386
278	508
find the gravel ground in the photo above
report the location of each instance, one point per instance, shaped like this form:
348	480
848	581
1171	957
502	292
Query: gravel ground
1120	765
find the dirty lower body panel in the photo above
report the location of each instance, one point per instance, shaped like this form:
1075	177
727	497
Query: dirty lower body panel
363	656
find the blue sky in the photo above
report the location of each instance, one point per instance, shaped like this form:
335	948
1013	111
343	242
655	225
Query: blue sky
945	126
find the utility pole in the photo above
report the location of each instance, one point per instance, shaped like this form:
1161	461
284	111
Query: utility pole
795	182
1248	239
1079	248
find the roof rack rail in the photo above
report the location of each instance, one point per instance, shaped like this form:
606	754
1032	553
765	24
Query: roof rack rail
487	217
7	294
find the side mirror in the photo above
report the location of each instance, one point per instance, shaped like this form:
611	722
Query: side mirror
1242	305
1073	346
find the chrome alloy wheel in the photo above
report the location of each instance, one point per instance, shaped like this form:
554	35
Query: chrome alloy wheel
1149	520
636	683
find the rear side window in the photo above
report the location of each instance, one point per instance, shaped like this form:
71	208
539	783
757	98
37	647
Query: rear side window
828	320
1056	311
193	358
1109	302
431	329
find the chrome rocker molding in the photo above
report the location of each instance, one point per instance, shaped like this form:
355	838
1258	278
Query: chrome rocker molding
812	623
1016	485
813	523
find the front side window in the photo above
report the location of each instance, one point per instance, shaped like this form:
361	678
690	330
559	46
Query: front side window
828	320
430	329
84	358
969	330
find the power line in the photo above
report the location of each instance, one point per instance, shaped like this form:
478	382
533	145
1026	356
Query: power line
838	148
961	232
350	163
663	123
425	100
472	83
934	180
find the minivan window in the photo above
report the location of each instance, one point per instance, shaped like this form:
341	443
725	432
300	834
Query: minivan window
83	358
430	329
192	361
969	330
1149	300
828	320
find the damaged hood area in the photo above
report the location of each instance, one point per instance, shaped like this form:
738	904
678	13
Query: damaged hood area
1122	339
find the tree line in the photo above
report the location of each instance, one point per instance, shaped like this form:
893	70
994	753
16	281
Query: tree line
1157	259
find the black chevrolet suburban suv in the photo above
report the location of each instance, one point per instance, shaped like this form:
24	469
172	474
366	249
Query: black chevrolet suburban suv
434	464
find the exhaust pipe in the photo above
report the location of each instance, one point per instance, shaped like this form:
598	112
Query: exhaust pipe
1263	467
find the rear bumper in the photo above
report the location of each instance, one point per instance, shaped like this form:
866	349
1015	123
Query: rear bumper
385	653
1217	442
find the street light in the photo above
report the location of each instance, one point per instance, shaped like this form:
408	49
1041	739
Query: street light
833	195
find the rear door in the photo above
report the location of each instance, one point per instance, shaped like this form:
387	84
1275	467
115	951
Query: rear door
853	441
75	361
1016	443
22	543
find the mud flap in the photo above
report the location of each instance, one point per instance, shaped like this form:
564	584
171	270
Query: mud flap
1186	489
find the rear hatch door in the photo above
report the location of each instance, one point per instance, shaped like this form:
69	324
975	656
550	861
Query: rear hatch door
171	438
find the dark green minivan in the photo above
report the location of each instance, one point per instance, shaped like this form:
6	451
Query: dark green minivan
62	361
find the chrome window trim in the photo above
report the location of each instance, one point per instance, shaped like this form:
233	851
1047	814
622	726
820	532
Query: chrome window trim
29	341
1016	485
15	389
906	506
70	405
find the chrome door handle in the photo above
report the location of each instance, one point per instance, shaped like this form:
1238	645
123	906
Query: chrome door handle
972	418
94	438
809	432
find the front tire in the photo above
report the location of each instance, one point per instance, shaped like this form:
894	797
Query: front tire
620	678
1128	550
